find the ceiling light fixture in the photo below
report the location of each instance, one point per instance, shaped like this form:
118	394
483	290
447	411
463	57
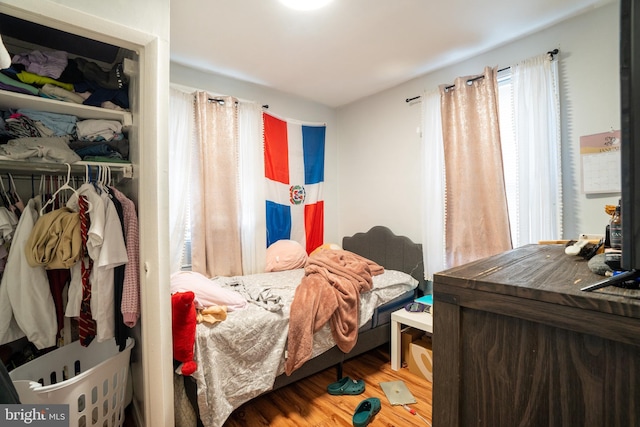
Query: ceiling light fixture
305	4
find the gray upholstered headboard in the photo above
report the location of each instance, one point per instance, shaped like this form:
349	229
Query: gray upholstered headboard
393	252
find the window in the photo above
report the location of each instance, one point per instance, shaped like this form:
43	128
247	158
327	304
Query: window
509	149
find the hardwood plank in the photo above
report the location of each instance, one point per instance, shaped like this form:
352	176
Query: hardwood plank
307	403
447	369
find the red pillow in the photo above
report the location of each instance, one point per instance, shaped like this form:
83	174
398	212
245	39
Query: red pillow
183	324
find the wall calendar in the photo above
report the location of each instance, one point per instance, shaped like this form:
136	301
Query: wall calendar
600	162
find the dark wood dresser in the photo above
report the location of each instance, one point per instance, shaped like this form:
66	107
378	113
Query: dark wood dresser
516	343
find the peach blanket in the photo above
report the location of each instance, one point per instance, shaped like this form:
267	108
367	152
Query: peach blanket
329	291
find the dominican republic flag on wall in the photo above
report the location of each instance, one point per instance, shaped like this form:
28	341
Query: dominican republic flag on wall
294	172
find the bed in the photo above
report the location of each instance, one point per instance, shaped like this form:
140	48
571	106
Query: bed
244	356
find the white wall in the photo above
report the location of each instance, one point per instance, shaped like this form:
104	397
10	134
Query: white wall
379	163
150	16
374	163
284	106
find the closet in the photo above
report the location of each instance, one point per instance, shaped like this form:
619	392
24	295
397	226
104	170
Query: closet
105	42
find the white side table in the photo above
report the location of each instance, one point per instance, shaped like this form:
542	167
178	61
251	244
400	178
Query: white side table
422	321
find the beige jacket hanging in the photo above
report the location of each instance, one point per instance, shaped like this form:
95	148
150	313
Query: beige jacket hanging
55	241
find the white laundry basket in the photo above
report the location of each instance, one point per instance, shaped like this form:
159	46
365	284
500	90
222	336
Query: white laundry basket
91	380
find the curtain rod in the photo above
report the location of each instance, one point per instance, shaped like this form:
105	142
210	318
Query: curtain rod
191	90
550	53
221	101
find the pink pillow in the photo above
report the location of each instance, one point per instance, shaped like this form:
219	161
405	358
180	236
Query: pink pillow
285	255
207	292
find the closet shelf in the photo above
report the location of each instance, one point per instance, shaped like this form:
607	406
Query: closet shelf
16	100
119	171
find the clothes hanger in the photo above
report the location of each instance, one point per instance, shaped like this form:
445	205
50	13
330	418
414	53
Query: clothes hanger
13	193
108	168
99	176
60	199
97	182
41	186
105	176
64	186
4	197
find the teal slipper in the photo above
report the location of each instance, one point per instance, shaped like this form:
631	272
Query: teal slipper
365	411
346	386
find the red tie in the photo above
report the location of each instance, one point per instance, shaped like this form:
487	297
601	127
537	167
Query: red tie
86	324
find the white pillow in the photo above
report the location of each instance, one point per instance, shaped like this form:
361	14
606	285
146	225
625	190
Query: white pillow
207	292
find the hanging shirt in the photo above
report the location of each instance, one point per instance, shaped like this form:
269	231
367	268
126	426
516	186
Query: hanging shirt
97	211
113	253
95	238
26	303
130	305
8	224
55	241
107	251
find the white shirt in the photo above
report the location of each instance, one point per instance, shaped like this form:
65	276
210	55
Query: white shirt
107	250
113	253
26	303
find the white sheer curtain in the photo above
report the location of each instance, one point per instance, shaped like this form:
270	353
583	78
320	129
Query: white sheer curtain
181	135
433	248
251	168
536	103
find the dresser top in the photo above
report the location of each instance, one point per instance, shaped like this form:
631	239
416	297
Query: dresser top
542	273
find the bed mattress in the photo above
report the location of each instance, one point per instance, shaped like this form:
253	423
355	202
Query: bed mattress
382	314
239	358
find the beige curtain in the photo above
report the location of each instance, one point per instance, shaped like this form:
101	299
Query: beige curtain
476	214
216	248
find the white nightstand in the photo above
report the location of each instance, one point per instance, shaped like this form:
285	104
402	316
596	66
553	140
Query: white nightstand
422	321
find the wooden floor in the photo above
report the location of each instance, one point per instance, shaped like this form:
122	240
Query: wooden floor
307	403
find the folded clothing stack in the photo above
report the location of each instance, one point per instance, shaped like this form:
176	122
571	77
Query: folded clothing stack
52	74
92	139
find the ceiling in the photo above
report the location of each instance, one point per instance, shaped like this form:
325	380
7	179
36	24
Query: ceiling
351	48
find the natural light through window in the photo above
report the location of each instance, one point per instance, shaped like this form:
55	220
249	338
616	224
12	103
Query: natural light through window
509	151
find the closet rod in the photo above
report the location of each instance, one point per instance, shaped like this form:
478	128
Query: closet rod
121	170
551	53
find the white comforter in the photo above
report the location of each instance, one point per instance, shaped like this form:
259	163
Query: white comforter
239	358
